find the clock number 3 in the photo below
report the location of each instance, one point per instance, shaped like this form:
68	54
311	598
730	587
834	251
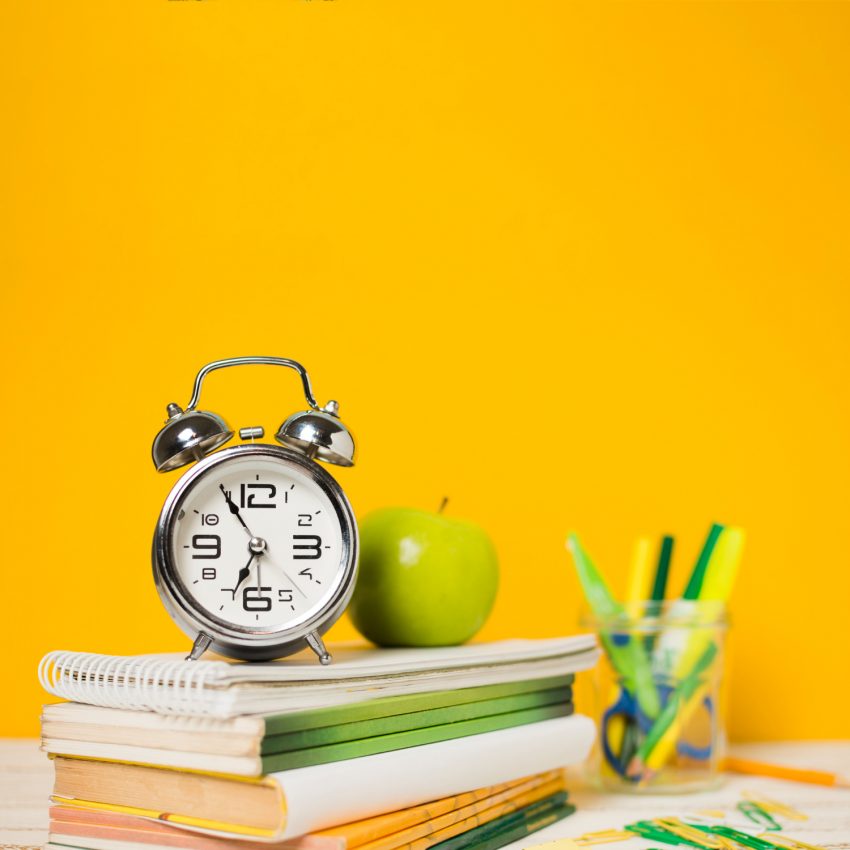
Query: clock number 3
306	551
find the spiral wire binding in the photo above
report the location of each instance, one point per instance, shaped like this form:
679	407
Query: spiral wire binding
146	684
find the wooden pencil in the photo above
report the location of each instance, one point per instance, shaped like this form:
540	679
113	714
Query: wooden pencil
795	774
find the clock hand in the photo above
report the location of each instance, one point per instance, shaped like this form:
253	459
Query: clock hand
290	579
243	573
234	510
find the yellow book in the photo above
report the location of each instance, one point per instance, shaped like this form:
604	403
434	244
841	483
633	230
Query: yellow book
417	821
76	822
462	820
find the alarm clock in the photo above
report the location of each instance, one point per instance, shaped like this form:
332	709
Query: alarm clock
255	550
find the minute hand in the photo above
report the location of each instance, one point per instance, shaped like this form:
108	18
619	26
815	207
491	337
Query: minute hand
234	510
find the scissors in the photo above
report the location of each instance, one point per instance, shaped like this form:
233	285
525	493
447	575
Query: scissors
624	725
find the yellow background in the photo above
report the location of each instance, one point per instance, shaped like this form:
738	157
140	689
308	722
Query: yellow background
574	266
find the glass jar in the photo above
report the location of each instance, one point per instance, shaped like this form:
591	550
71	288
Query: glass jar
659	696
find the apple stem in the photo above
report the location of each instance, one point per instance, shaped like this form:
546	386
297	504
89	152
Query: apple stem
443	504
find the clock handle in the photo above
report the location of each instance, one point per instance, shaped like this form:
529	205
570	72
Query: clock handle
252	361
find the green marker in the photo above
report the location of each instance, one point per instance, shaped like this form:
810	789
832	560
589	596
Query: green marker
628	657
679	698
692	591
659	585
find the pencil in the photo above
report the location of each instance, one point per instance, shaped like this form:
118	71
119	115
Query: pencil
795	774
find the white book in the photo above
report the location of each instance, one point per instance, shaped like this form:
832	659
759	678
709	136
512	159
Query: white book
294	802
216	688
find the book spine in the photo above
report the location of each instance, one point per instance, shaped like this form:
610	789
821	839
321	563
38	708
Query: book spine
401	704
512	827
443	827
342	731
413	738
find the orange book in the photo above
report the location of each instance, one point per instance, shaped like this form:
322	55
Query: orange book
448	816
419	820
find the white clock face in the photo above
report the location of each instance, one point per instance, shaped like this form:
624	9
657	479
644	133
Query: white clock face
258	544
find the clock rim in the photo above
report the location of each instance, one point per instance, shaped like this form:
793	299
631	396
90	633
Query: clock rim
232	639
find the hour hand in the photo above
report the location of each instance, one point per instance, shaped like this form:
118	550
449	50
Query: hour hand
243	574
233	509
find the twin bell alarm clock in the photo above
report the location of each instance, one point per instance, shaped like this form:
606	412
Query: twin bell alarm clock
255	551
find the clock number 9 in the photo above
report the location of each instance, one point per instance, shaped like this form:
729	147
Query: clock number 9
208	545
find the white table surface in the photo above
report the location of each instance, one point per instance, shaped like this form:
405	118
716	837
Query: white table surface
26	777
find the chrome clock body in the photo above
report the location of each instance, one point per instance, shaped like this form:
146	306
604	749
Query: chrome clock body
263	523
242	640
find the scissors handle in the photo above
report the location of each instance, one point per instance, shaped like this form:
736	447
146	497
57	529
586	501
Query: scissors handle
625	708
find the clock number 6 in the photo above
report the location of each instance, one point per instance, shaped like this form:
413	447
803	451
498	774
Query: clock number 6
314	549
252	600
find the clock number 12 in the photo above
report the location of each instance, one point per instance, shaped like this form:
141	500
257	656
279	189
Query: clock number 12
255	499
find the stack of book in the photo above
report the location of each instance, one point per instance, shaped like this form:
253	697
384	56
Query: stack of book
459	747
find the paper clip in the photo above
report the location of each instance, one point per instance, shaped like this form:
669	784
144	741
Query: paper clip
558	844
604	836
741	837
786	842
645	829
699	837
774	806
756	813
705	822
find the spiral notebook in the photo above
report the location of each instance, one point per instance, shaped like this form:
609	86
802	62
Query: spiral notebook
217	688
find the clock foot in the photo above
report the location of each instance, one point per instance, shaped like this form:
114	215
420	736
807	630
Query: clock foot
316	643
199	647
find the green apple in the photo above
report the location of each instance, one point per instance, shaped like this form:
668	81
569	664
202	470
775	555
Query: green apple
425	579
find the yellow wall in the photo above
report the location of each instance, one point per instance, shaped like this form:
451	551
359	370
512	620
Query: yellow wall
571	265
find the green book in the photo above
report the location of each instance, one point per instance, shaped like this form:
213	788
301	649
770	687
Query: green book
252	745
412	738
387	706
403	722
511	827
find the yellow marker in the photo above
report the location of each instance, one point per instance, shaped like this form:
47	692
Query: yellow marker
662	751
640	576
717	587
723	567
